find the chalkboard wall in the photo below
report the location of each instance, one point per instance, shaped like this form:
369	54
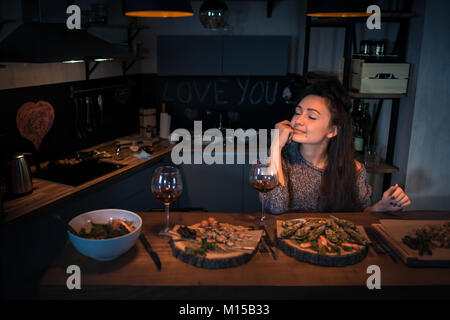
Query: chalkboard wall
245	102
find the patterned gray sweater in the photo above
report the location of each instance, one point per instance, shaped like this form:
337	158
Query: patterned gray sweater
302	180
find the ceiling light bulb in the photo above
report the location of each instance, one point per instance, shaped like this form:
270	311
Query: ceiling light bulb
214	14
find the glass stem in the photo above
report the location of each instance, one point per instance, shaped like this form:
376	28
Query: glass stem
263	202
167	216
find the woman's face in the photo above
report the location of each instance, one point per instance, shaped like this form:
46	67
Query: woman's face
311	122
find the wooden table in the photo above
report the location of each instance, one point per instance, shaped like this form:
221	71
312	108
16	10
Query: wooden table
134	275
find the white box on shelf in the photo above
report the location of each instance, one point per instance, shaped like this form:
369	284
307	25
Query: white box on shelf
389	78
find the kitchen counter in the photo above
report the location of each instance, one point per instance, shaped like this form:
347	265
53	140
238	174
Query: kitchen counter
46	192
134	275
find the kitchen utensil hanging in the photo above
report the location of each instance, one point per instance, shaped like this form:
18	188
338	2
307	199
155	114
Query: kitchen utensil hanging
100	105
77	124
88	122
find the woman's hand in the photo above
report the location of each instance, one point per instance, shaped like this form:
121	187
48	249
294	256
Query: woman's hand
284	133
394	199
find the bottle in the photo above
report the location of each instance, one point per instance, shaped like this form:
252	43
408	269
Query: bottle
379	49
361	125
164	123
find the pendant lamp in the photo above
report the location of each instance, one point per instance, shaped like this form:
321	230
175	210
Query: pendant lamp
158	8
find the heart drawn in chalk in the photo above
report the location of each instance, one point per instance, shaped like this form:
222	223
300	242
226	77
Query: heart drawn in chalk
34	121
122	94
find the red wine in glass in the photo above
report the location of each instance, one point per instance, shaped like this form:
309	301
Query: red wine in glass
265	184
263	178
166	187
167	196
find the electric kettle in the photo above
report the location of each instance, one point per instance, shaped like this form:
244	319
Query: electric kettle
20	175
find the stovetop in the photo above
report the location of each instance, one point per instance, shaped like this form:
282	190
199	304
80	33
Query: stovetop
75	175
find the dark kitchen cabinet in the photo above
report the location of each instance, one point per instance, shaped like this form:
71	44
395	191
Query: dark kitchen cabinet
222	55
189	55
255	55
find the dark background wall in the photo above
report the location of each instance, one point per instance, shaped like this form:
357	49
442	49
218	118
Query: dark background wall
246	102
427	173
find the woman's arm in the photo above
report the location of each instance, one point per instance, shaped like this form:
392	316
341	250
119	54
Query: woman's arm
277	200
283	132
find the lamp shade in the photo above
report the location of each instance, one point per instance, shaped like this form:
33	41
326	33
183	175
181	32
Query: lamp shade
338	8
158	8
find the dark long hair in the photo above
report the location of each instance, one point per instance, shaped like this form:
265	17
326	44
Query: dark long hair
338	189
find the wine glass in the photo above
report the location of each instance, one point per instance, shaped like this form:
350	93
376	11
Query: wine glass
263	178
166	187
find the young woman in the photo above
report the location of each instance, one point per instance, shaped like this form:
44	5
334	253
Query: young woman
314	157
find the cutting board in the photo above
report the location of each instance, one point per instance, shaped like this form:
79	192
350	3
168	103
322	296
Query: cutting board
292	248
223	257
394	230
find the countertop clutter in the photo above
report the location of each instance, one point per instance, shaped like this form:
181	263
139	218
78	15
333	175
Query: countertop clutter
47	192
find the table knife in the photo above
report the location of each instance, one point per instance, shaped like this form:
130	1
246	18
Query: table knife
384	246
373	241
262	247
150	251
269	242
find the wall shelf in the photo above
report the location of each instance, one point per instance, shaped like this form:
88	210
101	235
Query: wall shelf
132	31
115	26
382	167
358	95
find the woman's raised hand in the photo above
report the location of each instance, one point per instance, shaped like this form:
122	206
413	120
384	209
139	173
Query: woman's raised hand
284	132
395	199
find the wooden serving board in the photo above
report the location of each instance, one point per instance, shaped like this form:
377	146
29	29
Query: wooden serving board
392	231
223	257
292	248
